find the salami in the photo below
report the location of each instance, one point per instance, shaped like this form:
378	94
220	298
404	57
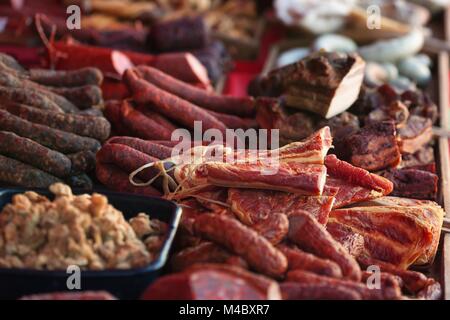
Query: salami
151	148
83	97
173	107
75	78
143	126
58	140
116	179
32	153
259	253
13	172
242	106
31	98
83	125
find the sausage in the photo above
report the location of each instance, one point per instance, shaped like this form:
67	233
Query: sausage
127	159
75	78
83	125
148	147
171	106
82	161
314	279
306	291
13	172
205	252
80	181
163	121
83	97
113	114
242	106
9	80
210	283
58	140
182	66
142	126
32	153
235	122
259	253
116	179
298	259
310	235
30	98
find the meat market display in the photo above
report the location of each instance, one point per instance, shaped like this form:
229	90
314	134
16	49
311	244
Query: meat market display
287	150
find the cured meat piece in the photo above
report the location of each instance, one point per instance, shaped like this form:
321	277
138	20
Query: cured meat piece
213	282
433	291
252	206
413	281
375	147
311	236
421	158
396	111
270	114
417	133
298	259
16	173
85	295
395	230
341	126
303	179
87	126
366	293
354	184
412	183
160	119
206	252
260	254
179	34
58	140
305	291
33	153
326	83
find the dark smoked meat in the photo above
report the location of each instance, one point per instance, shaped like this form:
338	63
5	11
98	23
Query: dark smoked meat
413	183
375	147
415	134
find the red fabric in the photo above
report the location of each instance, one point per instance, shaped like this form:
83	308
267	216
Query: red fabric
245	71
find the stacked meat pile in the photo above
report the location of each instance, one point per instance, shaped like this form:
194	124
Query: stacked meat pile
307	229
160	105
49	130
385	131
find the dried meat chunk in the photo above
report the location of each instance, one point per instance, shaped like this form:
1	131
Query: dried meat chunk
375	147
412	183
399	231
415	134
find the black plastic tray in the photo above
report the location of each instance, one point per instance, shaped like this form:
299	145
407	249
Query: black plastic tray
124	284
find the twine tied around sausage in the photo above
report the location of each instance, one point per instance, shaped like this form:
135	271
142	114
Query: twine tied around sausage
169	183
